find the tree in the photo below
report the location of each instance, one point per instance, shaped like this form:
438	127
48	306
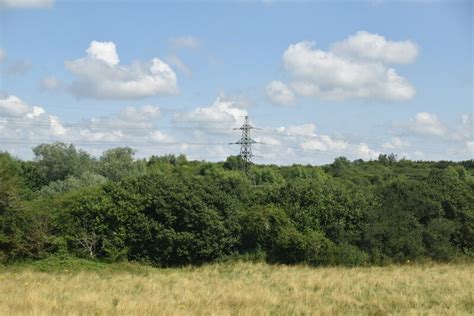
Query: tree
117	163
57	161
87	179
24	228
394	231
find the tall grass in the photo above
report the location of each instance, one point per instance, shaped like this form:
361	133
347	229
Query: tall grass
238	289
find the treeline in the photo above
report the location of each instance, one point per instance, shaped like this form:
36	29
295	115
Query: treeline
169	211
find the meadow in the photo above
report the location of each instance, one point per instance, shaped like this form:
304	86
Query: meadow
235	289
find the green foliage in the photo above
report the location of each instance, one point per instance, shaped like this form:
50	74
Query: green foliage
117	163
57	161
345	254
234	163
24	228
261	227
72	183
9	203
169	211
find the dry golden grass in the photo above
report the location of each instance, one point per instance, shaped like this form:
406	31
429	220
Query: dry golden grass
241	289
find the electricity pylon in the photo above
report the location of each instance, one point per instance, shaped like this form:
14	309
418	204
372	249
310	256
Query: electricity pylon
245	143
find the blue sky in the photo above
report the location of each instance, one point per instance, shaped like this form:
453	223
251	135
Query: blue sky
322	79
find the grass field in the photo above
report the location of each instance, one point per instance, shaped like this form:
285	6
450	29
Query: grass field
237	289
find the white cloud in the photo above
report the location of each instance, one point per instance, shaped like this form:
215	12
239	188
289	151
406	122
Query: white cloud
3	55
135	120
363	151
35	112
50	83
56	127
160	137
94	135
437	140
395	143
268	140
221	113
12	106
185	42
238	99
328	76
466	130
279	93
303	129
470	147
427	124
353	69
105	51
22	122
466	119
366	46
302	143
138	114
26	3
99	75
324	143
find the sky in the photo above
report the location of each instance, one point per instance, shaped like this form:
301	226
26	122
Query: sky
320	79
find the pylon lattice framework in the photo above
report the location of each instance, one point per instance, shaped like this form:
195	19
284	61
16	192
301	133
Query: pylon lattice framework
245	143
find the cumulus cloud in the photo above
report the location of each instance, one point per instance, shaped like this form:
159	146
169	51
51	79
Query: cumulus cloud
105	51
348	71
323	143
12	106
140	114
238	99
427	124
99	75
222	113
279	93
302	129
363	151
160	137
436	139
466	119
185	42
24	4
305	135
35	112
396	143
267	140
138	126
130	125
133	119
470	147
366	46
327	76
466	129
23	122
301	143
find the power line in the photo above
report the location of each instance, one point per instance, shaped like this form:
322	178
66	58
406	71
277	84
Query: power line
93	125
210	128
342	141
245	143
104	142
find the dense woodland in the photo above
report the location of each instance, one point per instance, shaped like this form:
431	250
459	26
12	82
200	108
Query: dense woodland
168	211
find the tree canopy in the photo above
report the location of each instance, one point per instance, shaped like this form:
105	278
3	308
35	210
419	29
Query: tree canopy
169	211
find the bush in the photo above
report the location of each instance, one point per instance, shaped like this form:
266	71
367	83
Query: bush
346	255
